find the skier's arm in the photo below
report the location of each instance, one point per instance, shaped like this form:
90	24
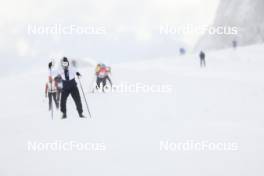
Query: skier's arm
46	90
57	78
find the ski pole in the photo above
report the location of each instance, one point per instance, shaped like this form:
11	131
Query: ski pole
51	98
92	84
51	109
84	97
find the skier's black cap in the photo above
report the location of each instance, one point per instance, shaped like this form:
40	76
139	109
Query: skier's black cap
65	59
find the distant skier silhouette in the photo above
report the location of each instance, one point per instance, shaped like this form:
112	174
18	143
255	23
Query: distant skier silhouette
182	51
234	44
202	59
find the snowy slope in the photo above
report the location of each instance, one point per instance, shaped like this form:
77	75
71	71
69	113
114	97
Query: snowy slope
246	15
223	102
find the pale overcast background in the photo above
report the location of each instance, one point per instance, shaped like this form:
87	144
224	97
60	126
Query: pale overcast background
132	28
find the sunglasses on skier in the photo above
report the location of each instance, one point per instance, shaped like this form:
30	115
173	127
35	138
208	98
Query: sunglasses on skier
65	64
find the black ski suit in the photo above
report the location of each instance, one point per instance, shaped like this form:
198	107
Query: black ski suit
70	88
99	81
103	81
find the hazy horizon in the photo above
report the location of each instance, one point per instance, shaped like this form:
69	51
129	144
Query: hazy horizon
131	29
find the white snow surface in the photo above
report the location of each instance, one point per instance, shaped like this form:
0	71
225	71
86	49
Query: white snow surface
221	103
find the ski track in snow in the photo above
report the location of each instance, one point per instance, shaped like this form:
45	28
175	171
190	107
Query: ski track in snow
223	102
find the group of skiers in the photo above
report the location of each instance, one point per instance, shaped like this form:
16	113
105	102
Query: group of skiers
62	83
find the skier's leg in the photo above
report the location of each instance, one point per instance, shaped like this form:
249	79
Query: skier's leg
108	78
98	83
64	96
55	99
77	99
104	83
58	95
202	62
50	100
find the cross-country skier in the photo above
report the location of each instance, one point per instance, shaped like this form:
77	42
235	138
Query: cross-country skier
182	51
234	44
202	59
51	92
68	74
102	76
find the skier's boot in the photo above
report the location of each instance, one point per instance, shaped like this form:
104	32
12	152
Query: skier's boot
64	116
81	116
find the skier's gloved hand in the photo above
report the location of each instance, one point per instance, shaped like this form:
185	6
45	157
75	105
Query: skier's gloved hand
78	74
50	65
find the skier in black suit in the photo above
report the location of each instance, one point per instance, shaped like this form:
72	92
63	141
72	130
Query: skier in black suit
67	74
